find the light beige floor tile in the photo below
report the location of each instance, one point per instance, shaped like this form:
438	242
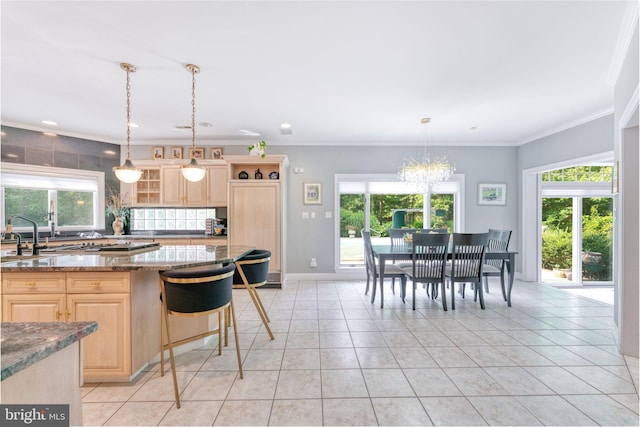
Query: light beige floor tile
368	339
400	339
303	340
561	381
413	358
228	361
362	325
117	392
387	383
431	382
451	411
448	357
560	355
433	338
603	380
197	413
394	411
332	325
348	412
554	410
96	414
307	412
338	358
87	388
209	385
604	410
254	385
335	340
276	326
525	338
330	313
628	400
161	388
474	382
311	314
244	413
263	360
139	414
518	381
503	411
263	342
487	356
376	358
524	356
301	359
299	384
596	355
343	383
303	326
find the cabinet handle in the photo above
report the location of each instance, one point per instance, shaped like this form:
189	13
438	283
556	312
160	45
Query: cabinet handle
58	315
96	283
67	314
31	284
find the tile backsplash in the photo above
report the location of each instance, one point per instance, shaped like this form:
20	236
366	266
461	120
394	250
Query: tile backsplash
170	219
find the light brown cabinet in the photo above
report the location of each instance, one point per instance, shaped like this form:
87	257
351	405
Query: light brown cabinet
146	192
177	191
256	211
217	185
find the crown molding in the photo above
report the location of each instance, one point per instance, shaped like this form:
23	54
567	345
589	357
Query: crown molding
568	125
629	24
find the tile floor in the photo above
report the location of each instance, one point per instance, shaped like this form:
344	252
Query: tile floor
336	359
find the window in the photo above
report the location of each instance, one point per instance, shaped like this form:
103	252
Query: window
69	198
377	202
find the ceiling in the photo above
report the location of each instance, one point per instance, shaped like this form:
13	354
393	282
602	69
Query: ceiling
341	73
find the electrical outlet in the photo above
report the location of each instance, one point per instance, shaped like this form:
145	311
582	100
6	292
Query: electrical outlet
313	263
313	215
305	215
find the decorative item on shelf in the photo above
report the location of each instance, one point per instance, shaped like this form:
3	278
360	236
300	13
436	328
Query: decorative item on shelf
117	206
258	174
127	172
243	175
193	171
274	175
258	149
422	175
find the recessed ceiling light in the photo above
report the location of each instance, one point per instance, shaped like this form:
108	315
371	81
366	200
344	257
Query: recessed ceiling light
206	124
50	122
109	152
248	132
286	129
285	126
132	125
13	156
49	134
473	128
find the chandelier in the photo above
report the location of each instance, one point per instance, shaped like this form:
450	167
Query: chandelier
127	172
422	175
193	171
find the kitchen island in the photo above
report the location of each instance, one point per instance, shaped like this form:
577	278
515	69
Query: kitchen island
47	355
118	290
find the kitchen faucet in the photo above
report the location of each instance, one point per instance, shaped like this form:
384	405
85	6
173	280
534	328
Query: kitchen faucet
52	222
36	245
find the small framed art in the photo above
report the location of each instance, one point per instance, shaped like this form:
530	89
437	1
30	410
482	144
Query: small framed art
312	193
196	153
492	194
176	152
157	153
216	153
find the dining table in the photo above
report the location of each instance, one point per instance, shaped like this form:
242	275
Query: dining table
389	252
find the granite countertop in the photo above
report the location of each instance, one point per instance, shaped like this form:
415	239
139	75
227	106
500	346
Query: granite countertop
166	257
24	344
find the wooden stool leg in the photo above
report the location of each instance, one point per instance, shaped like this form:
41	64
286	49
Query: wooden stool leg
173	363
235	334
254	298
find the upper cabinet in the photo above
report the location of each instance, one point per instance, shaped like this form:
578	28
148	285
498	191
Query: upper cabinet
162	184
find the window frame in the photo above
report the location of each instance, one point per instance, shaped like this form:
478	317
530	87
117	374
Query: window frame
29	171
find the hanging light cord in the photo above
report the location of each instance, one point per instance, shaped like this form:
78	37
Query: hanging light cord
128	70
193	69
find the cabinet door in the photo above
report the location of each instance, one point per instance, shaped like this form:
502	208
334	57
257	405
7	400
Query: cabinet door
218	186
33	308
172	183
255	217
107	352
195	193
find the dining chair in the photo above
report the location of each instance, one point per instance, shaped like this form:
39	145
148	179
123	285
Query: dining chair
191	292
467	257
497	241
391	271
252	271
428	262
397	240
434	230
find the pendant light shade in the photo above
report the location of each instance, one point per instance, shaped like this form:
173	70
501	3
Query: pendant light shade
127	172
193	171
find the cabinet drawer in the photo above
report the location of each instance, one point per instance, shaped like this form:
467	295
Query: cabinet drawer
97	283
21	283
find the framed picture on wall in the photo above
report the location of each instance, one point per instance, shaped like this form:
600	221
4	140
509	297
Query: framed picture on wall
196	153
492	194
157	153
176	152
216	153
312	193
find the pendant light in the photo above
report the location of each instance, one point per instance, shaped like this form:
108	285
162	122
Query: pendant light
422	175
127	172
193	171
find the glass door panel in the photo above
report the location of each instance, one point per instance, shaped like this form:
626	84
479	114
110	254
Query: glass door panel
351	222
557	239
442	211
597	239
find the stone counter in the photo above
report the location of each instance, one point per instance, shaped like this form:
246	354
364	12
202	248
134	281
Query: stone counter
167	257
24	344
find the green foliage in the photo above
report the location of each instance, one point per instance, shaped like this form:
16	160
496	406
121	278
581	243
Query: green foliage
32	204
556	248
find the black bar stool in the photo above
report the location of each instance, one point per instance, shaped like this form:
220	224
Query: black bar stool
199	291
